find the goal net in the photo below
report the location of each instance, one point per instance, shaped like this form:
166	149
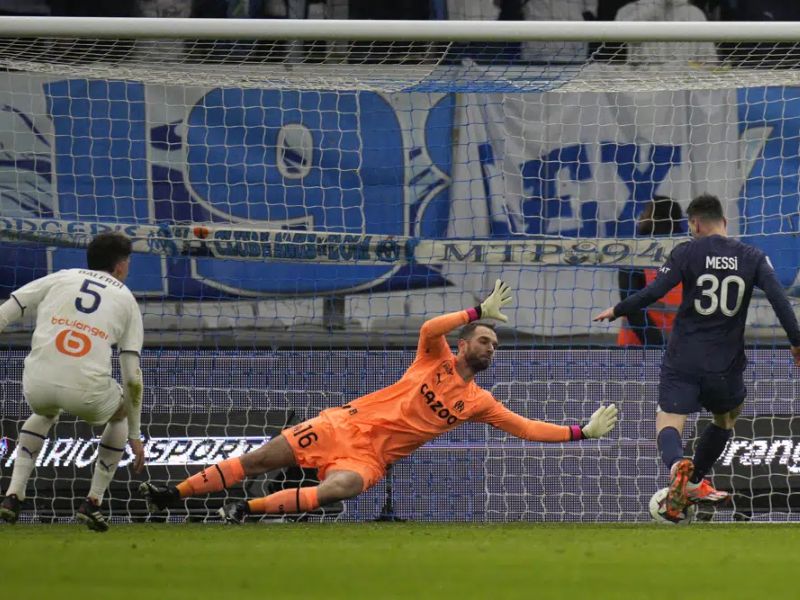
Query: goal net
303	195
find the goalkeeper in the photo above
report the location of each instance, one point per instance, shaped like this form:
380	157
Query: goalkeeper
352	445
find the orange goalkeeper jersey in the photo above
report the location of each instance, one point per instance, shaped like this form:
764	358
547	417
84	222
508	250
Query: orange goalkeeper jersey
432	398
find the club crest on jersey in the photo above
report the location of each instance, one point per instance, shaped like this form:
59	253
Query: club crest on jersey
447	368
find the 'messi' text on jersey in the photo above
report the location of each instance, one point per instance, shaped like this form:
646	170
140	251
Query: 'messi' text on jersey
722	262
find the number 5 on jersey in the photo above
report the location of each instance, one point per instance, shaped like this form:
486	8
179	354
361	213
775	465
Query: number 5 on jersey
91	304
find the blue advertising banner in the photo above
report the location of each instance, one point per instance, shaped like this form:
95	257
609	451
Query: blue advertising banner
564	164
122	152
769	125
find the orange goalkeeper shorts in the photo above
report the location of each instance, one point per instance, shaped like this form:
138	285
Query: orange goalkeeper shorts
320	444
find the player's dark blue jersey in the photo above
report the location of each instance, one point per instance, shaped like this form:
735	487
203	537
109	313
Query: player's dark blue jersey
718	275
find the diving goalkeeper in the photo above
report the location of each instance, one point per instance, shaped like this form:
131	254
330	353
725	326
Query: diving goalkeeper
352	445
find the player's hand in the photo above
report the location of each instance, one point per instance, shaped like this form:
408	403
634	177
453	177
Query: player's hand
603	420
138	454
796	354
606	315
490	308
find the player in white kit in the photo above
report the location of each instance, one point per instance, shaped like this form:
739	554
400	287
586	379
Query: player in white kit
81	314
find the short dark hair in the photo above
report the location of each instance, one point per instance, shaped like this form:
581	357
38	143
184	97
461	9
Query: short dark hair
468	330
706	208
107	250
667	216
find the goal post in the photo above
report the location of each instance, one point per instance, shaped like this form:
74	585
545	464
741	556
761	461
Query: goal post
423	53
390	30
302	195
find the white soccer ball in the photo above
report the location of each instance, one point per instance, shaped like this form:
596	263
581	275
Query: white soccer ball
658	510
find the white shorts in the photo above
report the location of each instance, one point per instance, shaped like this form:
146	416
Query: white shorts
95	406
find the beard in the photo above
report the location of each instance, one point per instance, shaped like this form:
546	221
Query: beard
478	363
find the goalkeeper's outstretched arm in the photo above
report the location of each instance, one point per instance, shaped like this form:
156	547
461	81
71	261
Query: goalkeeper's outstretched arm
601	423
431	336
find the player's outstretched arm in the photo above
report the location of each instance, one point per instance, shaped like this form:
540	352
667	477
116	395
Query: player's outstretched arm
497	415
643	298
132	391
668	277
431	335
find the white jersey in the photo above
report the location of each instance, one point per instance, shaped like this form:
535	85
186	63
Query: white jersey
80	315
652	53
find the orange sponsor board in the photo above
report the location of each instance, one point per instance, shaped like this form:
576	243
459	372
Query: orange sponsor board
80	326
73	343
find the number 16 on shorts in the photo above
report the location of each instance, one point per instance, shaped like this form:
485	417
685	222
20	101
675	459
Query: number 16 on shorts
305	435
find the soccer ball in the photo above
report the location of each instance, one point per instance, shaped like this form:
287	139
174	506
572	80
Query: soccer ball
658	509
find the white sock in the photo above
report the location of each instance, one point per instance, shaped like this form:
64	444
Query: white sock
31	438
112	445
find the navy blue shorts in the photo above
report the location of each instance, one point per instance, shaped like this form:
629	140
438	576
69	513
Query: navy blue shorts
687	393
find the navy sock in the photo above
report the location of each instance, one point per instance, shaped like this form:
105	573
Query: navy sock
709	447
670	445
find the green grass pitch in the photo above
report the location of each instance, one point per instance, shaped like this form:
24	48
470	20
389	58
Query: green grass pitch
400	560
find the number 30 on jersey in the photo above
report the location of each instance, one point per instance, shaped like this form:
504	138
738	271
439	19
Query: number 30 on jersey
717	294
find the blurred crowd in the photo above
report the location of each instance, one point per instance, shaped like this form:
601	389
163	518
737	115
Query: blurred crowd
538	10
603	10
